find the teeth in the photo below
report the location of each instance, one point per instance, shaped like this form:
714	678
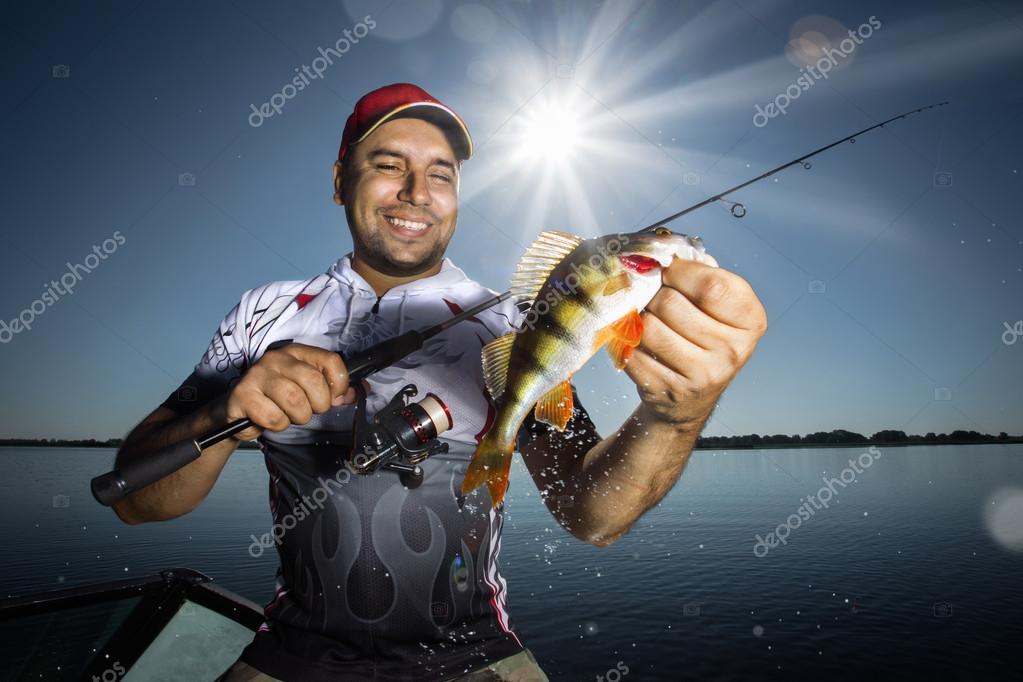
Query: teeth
407	224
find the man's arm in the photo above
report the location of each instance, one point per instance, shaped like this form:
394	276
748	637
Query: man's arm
598	488
182	491
285	387
700	329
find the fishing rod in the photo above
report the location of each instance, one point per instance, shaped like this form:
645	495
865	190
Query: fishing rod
115	485
739	210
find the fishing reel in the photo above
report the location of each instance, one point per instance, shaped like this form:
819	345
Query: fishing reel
401	435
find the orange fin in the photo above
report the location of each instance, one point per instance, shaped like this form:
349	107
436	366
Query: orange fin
555	408
621	337
491	464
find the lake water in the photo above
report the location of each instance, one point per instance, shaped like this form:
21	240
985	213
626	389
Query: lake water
912	571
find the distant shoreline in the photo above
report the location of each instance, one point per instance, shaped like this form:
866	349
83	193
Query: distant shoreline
838	439
866	444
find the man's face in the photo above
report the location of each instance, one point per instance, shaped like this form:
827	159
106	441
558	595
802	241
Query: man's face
401	197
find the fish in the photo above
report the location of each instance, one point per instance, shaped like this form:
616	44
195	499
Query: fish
586	294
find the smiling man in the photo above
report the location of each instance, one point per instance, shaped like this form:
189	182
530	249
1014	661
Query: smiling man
378	581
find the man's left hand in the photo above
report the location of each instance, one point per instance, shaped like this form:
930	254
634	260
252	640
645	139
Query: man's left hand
700	328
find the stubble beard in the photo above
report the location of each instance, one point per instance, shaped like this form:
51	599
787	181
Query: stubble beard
372	249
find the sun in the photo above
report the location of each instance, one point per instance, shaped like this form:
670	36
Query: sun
551	132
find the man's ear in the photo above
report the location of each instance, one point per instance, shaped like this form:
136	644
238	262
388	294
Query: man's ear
337	184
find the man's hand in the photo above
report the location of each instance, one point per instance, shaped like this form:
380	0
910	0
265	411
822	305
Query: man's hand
286	386
700	328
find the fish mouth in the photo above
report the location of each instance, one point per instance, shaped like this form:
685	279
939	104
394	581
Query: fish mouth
641	264
407	225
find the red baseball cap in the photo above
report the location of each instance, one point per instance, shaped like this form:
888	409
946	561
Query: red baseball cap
404	100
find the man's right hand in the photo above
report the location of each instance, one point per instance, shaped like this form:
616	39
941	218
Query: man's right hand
286	386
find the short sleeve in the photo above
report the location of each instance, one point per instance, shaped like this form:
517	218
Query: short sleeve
220	367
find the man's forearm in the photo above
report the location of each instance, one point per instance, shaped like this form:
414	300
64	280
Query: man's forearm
182	491
627	473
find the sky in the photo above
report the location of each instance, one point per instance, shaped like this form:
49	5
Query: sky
891	270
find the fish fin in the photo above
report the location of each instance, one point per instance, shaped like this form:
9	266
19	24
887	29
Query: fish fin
549	249
617	283
491	464
621	336
555	408
496	355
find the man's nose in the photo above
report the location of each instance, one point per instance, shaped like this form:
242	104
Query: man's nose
416	191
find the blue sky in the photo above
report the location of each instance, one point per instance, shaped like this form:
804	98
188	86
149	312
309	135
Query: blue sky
919	277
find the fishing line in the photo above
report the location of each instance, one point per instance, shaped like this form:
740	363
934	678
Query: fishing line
738	210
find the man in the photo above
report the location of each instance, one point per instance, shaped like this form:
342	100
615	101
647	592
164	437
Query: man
378	581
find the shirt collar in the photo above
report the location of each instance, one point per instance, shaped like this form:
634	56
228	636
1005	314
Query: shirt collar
449	276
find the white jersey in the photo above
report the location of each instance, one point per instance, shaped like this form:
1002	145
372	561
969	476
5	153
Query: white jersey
378	581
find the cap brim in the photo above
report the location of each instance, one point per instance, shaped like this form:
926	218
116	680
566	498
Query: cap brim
439	115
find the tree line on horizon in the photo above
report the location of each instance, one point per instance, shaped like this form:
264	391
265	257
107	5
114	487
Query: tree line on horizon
843	437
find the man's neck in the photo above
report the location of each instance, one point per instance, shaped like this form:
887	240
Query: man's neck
383	283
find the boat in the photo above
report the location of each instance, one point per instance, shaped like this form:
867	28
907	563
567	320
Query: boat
177	625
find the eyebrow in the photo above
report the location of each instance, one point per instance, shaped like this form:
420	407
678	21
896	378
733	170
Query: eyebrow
381	151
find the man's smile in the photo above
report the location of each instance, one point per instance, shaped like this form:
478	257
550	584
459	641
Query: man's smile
407	226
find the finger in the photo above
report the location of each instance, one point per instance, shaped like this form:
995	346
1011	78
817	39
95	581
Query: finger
265	414
327	362
347	398
683	317
651	377
312	381
669	348
291	399
721	294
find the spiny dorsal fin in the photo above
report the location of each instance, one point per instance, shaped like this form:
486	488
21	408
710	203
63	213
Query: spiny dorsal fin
495	363
549	249
555	407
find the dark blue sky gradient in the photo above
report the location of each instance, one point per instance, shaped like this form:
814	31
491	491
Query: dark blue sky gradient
919	279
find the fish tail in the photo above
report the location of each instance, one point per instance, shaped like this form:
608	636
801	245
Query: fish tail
491	464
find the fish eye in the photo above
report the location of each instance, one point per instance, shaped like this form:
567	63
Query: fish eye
662	232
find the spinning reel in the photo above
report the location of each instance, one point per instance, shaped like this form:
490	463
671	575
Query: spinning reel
401	435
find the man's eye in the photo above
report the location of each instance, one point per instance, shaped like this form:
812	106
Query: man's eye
442	178
387	166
